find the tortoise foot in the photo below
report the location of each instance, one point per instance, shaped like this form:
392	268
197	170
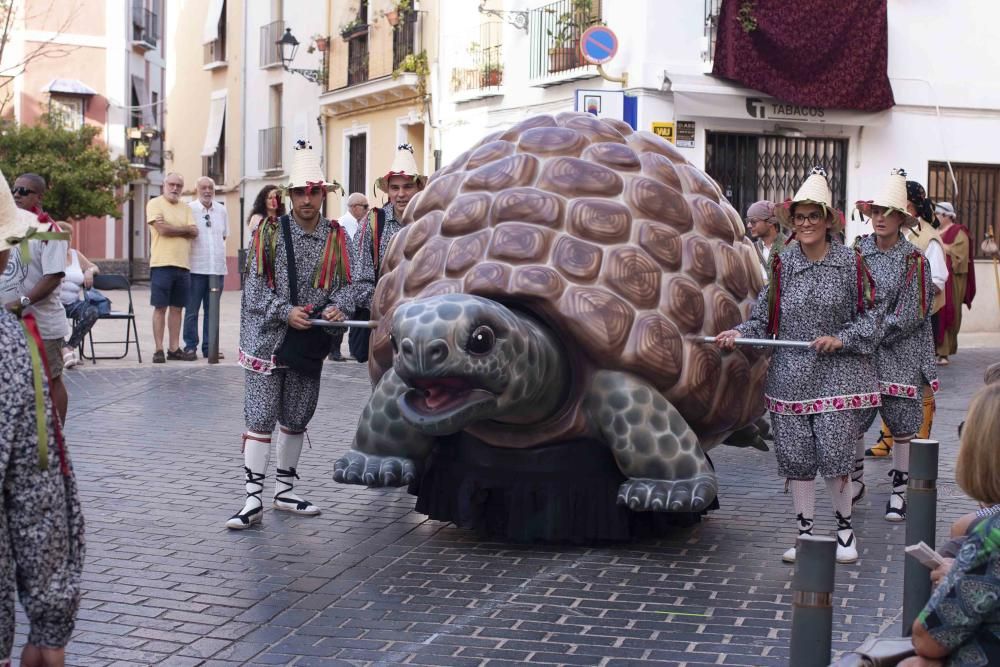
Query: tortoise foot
370	470
660	495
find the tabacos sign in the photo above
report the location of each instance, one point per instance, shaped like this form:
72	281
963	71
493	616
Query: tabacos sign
774	110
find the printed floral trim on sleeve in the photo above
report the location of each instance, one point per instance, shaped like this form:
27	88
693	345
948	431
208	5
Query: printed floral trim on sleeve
815	406
906	390
256	364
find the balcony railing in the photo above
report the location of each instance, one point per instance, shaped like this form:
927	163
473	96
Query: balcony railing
404	38
711	30
145	153
145	26
357	60
215	52
270	51
555	31
485	71
269	149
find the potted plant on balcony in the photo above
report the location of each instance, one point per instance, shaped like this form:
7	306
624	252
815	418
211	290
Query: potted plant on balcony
319	43
354	27
399	10
564	52
492	74
140	151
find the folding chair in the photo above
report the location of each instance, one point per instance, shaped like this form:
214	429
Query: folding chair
108	283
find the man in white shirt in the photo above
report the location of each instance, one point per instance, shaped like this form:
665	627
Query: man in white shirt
208	261
357	209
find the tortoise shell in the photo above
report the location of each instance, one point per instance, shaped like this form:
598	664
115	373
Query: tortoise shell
609	236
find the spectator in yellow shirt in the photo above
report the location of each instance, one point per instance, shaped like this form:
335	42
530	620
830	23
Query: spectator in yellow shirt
172	227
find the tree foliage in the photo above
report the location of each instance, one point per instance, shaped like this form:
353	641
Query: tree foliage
83	178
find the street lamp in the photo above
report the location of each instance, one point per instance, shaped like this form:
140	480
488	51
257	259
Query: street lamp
289	46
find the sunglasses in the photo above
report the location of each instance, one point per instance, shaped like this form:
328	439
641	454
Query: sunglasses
22	191
208	221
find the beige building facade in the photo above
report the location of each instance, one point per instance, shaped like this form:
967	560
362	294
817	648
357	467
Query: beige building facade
205	94
378	91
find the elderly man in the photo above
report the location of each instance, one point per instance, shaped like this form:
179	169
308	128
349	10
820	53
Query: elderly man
32	284
172	227
400	183
208	263
357	208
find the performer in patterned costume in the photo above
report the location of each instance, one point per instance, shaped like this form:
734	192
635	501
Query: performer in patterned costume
819	399
41	540
282	365
905	355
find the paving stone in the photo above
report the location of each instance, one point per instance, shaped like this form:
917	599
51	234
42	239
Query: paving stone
371	582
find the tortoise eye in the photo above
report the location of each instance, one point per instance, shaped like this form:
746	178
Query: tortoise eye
481	341
395	346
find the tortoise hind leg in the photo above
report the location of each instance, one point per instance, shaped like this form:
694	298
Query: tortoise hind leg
652	444
386	448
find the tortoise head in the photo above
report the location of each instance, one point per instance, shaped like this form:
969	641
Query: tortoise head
463	358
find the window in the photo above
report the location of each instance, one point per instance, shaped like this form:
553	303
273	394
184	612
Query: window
215	50
67	110
555	31
356	167
214	165
977	200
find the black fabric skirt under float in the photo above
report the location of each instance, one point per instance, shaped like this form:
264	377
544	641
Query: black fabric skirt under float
565	492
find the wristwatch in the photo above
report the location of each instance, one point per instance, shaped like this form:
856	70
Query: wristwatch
25	302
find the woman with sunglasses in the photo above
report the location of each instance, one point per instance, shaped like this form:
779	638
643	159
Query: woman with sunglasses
905	355
819	398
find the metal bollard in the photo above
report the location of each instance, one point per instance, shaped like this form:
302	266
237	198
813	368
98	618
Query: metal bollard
812	601
214	298
921	525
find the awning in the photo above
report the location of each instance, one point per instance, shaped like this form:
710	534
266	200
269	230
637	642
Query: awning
145	103
68	87
212	18
754	106
216	119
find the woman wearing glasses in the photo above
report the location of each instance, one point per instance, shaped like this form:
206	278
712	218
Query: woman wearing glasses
905	355
819	398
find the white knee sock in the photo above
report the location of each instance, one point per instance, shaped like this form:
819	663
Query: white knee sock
901	452
256	453
841	492
804	497
289	450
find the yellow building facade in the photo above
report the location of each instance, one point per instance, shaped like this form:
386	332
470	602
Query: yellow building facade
204	96
377	92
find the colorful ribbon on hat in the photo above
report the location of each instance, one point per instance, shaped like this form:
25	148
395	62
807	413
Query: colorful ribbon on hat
40	365
334	261
313	185
915	269
774	295
865	284
263	245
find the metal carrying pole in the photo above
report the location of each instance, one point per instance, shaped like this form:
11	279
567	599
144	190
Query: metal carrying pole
761	342
812	601
921	526
361	324
214	298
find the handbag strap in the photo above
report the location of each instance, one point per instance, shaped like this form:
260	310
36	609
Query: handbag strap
293	277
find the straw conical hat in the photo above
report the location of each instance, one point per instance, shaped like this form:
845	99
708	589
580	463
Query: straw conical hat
306	170
14	222
815	190
892	197
404	164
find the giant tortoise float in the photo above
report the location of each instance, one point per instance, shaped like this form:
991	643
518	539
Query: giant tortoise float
546	289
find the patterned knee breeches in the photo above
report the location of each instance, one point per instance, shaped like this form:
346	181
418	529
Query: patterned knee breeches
823	443
283	397
902	415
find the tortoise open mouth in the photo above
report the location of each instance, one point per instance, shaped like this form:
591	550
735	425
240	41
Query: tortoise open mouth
443	405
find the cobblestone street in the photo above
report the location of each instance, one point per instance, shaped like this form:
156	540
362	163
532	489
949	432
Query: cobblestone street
157	455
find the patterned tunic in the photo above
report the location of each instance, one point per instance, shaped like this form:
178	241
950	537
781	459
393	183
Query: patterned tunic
41	523
364	270
963	613
905	357
819	299
264	309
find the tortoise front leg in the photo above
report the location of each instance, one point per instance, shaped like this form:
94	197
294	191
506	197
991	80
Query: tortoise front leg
386	448
652	444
